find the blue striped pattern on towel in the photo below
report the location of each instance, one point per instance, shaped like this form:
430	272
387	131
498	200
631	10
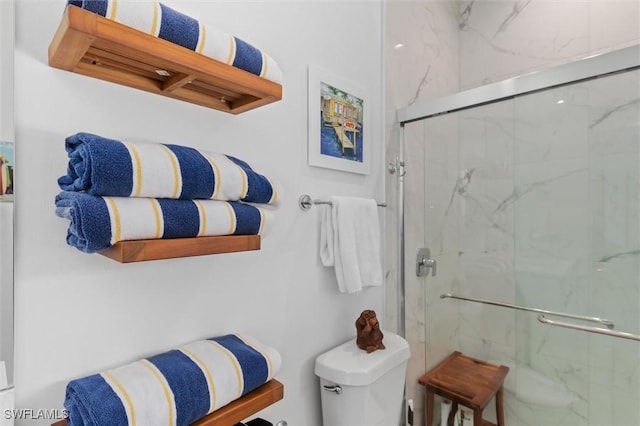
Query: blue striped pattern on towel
168	24
103	166
96	223
177	387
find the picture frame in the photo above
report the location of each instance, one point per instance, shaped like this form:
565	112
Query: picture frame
339	123
6	171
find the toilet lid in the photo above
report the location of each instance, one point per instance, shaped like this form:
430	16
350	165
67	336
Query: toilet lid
349	365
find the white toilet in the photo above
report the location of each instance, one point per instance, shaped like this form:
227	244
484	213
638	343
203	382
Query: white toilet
361	389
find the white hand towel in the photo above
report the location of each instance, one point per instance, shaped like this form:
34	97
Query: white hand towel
350	242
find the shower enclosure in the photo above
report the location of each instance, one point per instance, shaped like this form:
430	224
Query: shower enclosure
532	202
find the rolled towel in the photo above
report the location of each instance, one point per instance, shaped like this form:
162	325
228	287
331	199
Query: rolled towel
160	21
99	222
177	387
102	166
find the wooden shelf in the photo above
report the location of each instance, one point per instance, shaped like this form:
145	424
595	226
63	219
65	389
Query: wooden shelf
240	409
89	44
141	250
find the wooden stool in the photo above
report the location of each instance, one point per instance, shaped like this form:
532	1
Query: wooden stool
466	381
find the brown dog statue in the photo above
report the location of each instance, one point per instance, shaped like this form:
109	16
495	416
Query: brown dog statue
369	336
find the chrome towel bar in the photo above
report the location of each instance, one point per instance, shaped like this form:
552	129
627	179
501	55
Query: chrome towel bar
597	330
544	320
305	202
602	321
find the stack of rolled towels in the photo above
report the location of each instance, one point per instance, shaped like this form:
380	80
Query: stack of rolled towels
177	387
115	191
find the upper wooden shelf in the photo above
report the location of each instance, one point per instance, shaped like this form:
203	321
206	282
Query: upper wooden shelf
141	250
89	44
240	409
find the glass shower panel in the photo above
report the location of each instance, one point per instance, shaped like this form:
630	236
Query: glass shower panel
441	218
484	193
551	205
577	239
614	246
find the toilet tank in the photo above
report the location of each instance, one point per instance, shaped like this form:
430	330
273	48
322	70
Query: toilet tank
361	389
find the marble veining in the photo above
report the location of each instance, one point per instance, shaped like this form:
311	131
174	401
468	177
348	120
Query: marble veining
605	259
517	8
422	83
519	193
464	15
610	112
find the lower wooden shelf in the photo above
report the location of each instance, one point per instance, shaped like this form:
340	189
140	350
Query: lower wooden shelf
240	409
142	250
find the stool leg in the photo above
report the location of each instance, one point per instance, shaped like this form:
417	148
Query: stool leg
452	413
477	417
429	413
499	407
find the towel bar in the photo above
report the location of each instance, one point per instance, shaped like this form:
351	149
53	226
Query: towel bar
305	202
603	321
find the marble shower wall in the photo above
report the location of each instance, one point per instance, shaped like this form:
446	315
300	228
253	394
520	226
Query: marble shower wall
506	38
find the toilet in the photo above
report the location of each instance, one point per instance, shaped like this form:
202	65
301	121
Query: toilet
361	389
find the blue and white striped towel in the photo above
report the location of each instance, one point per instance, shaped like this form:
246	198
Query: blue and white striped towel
177	387
160	21
102	166
99	222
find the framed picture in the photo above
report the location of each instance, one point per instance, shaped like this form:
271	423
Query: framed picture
339	125
6	171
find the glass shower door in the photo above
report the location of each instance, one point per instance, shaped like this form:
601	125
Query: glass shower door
577	240
540	208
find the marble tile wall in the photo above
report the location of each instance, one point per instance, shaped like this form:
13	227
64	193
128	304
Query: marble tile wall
504	38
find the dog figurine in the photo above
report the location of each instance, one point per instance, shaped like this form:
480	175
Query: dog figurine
369	336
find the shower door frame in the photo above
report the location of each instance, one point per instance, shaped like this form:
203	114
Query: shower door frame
622	60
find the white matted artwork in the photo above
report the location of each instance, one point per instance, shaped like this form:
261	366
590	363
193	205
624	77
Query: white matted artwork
339	125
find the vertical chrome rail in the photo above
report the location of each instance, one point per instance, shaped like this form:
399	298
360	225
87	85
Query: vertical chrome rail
399	171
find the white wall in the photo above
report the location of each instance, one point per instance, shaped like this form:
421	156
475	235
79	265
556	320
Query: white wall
6	208
6	70
77	314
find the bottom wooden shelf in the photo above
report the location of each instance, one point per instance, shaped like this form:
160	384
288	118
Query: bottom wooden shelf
141	250
240	409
